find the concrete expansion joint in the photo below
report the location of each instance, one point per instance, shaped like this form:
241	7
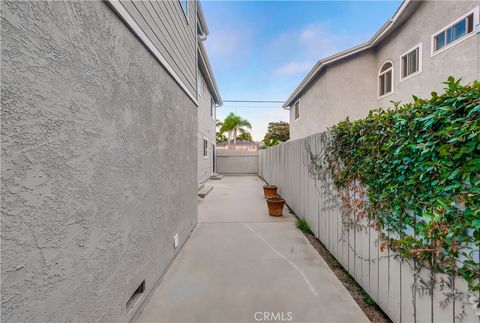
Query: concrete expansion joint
302	273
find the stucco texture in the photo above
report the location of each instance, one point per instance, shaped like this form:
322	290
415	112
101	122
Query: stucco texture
349	87
98	161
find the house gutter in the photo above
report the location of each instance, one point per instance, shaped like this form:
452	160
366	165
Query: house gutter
212	84
321	64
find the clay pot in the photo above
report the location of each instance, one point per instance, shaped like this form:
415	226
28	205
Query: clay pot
275	205
269	191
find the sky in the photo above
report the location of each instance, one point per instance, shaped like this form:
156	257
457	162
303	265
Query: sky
261	50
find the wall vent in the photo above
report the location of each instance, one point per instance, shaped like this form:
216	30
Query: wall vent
135	296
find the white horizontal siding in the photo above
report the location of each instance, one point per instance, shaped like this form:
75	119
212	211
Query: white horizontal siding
173	35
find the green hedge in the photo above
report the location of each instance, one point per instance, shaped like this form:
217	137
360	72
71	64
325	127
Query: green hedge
416	171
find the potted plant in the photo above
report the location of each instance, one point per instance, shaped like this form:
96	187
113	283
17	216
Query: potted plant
275	205
269	191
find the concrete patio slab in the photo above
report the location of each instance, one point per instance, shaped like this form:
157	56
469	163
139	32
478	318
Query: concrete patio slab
248	268
237	199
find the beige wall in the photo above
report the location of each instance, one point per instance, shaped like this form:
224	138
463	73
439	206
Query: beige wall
349	88
206	128
343	89
460	60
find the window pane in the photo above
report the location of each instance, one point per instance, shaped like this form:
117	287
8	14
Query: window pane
440	41
459	30
412	62
388	82
404	66
470	23
449	35
386	66
381	83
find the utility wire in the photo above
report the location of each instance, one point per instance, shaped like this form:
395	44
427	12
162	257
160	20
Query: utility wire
249	107
254	101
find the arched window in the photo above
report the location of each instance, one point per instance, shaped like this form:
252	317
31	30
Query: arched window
385	79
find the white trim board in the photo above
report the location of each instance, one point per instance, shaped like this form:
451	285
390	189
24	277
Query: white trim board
420	62
476	19
137	30
392	68
377	37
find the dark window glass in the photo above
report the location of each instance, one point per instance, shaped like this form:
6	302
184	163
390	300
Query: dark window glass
385	80
382	85
410	62
440	41
459	30
385	67
456	32
404	66
388	82
470	23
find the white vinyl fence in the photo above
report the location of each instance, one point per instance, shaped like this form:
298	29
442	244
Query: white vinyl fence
237	162
388	280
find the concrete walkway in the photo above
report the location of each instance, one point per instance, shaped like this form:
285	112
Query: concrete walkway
241	265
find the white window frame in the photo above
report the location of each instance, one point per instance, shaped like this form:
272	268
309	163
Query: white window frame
475	30
294	110
420	61
205	148
384	72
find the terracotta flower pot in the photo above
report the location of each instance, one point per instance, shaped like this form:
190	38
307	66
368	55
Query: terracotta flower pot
275	205
269	191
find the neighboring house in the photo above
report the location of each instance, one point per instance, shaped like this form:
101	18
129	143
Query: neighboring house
241	145
209	99
412	54
99	154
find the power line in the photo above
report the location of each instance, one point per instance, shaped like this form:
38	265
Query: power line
249	107
254	101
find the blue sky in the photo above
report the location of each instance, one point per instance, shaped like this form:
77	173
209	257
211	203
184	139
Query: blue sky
261	50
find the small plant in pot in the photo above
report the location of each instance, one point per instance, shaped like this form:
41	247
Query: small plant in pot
269	191
275	205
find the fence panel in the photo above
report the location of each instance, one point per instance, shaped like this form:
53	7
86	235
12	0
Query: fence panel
232	162
388	280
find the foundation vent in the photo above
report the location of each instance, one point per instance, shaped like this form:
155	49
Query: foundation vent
135	296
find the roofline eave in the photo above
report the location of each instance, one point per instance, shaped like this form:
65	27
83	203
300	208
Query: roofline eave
374	40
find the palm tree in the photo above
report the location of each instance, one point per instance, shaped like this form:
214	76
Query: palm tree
233	125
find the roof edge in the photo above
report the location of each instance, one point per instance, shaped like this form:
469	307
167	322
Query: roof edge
201	18
210	78
322	63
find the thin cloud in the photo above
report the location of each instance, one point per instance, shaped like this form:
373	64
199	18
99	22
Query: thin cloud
303	47
293	68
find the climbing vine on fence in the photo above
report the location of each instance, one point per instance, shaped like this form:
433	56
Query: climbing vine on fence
415	169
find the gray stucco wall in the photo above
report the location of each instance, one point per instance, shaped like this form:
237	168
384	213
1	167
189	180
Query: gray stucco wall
349	87
98	164
342	89
172	32
460	60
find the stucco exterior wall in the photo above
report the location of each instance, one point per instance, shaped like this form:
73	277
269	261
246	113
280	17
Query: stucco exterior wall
460	60
342	89
206	129
349	87
98	164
